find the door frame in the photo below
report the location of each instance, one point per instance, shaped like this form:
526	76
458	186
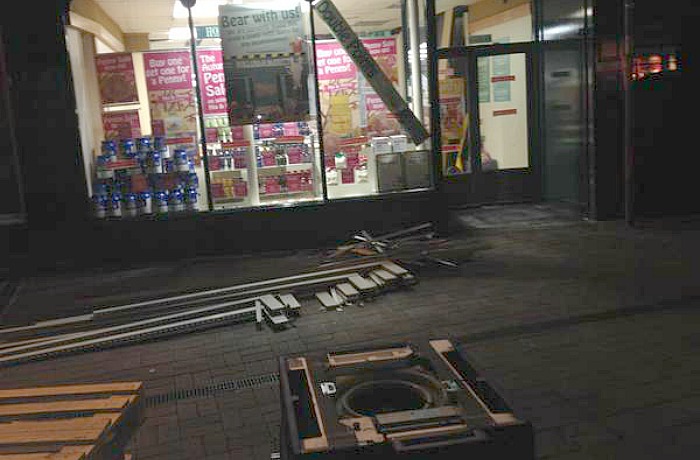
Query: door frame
505	185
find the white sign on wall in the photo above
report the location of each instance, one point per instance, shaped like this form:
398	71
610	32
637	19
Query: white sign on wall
245	31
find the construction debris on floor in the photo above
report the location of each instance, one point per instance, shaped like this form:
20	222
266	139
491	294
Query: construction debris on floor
275	302
417	245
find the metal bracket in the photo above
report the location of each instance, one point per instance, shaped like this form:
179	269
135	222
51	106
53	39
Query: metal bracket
328	388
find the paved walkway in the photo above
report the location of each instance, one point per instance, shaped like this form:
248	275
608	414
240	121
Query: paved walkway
590	330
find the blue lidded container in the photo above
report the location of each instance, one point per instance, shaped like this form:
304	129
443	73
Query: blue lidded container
116	210
131	204
161	198
146	203
100	205
177	200
181	161
191	199
155	163
128	148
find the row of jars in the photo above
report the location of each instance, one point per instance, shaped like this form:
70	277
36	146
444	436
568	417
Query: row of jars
145	203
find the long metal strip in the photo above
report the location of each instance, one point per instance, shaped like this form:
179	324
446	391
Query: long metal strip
124	327
240	287
141	334
72	337
311	282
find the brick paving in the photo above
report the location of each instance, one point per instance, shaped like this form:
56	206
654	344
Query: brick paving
589	329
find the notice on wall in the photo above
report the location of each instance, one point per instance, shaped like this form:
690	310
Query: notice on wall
501	86
483	66
266	66
170	93
210	64
452	109
115	75
121	125
349	105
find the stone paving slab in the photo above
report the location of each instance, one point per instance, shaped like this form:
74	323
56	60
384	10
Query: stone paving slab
589	329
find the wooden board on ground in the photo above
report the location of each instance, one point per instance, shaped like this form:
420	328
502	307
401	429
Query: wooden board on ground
64	453
68	422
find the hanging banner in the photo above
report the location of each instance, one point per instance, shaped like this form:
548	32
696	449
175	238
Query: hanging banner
170	93
265	64
116	79
121	125
371	71
210	64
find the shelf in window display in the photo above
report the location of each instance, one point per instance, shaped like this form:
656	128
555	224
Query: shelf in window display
236	199
277	169
278	194
230	172
285	139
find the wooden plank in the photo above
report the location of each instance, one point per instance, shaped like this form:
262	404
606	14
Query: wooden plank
86	435
111	404
65	453
69	424
99	388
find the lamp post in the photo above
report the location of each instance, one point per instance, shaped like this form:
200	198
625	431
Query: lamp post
195	67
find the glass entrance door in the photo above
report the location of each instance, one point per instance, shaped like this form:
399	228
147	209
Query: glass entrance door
486	107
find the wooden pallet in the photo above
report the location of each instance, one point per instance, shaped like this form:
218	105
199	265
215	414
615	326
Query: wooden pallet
69	422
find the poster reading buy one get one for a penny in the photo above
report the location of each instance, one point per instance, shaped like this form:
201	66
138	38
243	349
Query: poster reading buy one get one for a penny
170	93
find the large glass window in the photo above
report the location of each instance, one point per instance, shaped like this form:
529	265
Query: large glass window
241	119
367	148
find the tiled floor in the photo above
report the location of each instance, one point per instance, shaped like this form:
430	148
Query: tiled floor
591	331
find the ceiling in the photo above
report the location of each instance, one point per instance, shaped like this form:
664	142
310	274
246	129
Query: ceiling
156	16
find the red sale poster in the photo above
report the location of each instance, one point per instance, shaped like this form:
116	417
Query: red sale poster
211	76
349	105
115	75
121	125
170	92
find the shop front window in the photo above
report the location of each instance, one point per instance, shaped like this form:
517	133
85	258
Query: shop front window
367	148
240	119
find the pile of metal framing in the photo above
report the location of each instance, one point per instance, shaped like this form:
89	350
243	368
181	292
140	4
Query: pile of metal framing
273	301
416	245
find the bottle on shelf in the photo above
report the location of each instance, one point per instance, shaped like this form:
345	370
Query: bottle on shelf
146	203
116	210
131	205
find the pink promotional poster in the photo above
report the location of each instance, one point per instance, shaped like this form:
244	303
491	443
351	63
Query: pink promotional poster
210	64
170	92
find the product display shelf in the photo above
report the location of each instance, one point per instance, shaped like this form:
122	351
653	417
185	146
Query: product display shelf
278	169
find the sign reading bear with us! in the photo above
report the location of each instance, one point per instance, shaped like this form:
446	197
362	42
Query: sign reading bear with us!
246	31
266	66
